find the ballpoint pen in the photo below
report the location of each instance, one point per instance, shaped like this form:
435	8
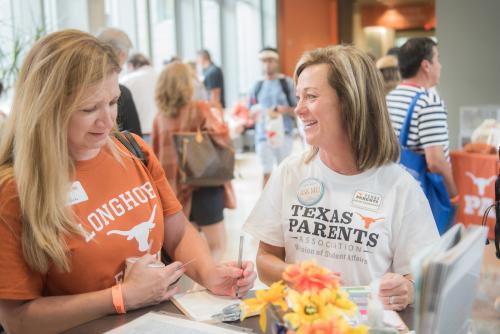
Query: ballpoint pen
240	255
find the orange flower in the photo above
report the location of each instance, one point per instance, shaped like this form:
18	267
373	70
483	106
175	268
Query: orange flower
308	276
332	326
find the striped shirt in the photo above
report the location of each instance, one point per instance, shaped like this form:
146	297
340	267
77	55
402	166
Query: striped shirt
429	125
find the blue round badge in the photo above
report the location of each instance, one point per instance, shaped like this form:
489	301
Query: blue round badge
310	191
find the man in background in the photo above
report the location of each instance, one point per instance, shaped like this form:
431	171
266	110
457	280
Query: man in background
272	96
141	80
127	118
428	134
213	79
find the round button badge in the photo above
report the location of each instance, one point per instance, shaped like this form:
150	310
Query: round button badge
310	191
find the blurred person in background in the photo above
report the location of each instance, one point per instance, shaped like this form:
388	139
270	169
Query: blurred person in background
272	96
178	112
200	92
213	79
128	119
388	67
141	80
428	134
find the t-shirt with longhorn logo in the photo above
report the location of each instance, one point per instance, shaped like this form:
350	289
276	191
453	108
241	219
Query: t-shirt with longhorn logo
119	207
362	226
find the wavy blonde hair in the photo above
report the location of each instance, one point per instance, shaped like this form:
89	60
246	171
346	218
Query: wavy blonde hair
353	75
34	150
174	88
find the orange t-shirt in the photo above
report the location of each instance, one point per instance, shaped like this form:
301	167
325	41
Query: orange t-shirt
120	208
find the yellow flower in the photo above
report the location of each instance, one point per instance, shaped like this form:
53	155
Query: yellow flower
308	276
308	307
335	325
340	298
275	295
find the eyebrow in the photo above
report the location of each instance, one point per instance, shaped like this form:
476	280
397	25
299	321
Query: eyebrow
306	89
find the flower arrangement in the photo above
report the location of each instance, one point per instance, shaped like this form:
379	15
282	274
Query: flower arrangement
317	304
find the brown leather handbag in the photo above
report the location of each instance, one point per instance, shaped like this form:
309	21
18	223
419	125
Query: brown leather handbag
203	161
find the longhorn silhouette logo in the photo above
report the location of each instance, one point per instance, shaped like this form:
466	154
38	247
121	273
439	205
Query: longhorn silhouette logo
139	232
481	183
367	221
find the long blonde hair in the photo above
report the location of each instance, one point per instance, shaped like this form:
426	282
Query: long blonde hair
174	88
34	150
353	75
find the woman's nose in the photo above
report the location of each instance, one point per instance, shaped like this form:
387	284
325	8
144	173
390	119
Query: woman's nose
299	107
106	117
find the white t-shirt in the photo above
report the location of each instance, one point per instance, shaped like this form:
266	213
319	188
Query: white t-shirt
362	226
141	83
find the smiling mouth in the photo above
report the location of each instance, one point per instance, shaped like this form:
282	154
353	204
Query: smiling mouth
308	124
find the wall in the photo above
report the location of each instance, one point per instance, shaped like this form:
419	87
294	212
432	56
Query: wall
469	45
304	25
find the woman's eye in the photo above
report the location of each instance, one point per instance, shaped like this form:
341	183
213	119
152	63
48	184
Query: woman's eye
112	103
310	96
90	109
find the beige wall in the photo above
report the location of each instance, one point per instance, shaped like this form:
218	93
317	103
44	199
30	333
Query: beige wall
468	34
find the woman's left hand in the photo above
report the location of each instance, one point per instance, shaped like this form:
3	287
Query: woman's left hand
396	291
228	279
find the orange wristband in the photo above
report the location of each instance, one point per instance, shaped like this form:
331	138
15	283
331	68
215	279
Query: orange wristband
454	200
116	293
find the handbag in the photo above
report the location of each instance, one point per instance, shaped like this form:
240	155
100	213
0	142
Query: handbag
432	184
202	160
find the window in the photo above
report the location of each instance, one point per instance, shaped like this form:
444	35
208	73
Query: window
249	44
162	31
211	25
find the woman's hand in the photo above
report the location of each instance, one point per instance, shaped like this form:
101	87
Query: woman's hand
228	279
144	285
396	291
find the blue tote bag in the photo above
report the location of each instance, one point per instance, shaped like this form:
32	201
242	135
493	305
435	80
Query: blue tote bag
432	184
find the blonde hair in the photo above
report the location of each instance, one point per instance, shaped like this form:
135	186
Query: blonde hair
174	88
34	150
365	118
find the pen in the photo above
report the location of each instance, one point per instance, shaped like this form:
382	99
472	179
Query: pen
240	255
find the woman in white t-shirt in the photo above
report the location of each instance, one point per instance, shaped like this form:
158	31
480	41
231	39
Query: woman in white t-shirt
346	203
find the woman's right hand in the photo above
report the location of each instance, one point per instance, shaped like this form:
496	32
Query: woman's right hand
144	285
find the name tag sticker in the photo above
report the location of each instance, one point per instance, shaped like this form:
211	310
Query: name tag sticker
77	194
367	200
310	191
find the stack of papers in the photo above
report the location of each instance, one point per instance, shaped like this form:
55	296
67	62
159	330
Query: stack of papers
158	323
202	305
446	277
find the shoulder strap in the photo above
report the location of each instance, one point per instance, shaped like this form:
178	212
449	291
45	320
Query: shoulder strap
405	129
258	87
284	87
131	144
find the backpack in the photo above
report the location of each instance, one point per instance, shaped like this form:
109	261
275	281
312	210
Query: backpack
284	87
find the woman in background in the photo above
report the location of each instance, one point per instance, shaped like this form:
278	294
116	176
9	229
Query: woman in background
178	112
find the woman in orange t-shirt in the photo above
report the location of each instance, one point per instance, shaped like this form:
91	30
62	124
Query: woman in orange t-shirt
75	203
177	112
